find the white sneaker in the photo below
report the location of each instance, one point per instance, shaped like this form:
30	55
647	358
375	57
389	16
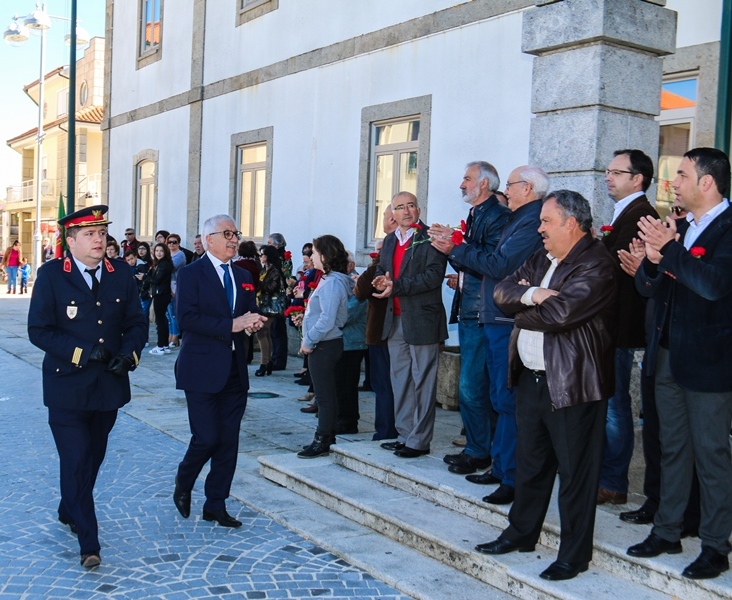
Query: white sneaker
157	351
166	349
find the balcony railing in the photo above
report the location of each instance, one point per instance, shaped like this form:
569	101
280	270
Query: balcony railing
87	186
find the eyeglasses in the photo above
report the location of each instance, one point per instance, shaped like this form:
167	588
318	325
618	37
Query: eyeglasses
228	234
173	243
618	172
308	253
408	206
678	211
129	233
510	183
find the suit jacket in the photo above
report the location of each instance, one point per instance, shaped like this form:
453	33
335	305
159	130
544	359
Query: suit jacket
693	305
65	320
578	323
204	317
419	288
631	305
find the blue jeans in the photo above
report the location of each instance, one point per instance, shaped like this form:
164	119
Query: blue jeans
146	311
504	402
12	277
474	393
380	377
172	321
619	427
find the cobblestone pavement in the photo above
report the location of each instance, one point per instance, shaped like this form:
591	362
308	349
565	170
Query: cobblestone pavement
148	551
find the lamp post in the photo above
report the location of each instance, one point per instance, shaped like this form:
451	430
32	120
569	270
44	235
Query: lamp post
17	35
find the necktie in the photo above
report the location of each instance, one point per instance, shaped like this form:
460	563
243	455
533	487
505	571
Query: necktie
228	286
95	281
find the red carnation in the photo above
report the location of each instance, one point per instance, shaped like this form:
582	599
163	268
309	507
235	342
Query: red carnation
288	255
303	278
292	310
248	287
457	237
416	227
463	226
312	285
697	251
374	254
606	229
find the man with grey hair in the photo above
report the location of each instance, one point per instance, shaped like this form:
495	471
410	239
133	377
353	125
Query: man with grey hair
561	362
217	310
525	188
482	229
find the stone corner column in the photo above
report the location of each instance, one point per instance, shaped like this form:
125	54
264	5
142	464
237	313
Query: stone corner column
596	87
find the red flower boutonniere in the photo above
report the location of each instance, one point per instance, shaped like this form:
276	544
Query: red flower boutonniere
417	227
374	254
697	251
247	287
606	229
312	285
463	226
457	237
288	255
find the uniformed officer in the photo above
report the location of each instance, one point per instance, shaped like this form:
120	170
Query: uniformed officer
85	315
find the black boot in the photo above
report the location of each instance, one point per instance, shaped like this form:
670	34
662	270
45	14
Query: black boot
261	371
270	366
319	447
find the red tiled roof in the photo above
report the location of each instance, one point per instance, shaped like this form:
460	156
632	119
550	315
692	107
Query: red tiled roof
669	101
90	114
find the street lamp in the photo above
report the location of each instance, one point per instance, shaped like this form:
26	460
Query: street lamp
16	35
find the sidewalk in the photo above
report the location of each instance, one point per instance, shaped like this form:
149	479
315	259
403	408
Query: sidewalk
148	550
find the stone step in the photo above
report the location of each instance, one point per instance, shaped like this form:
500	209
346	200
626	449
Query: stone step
428	478
439	532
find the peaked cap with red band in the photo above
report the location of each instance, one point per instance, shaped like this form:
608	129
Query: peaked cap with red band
86	217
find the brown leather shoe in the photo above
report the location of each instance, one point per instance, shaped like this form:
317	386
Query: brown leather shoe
607	497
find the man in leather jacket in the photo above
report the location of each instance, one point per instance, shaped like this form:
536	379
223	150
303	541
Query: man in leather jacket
561	362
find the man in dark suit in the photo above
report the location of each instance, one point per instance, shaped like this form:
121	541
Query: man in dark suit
85	315
561	357
217	310
628	176
410	274
688	272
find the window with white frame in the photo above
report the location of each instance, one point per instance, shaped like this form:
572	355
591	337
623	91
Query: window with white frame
678	113
145	198
62	102
252	189
150	32
394	155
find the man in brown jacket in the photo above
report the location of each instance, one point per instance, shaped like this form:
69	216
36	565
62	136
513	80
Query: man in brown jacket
378	350
561	360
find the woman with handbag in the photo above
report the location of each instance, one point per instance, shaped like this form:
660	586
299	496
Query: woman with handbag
160	277
271	302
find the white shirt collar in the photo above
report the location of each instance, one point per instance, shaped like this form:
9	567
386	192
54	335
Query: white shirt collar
621	205
403	237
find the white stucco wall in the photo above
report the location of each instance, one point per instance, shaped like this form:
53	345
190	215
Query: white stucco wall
699	21
168	134
132	87
316	116
288	31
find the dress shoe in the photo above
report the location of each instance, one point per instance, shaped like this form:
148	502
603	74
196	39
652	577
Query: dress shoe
501	546
320	446
304	380
451	459
308	397
91	560
654	546
72	526
221	517
607	497
310	409
460	441
709	564
393	446
559	571
503	495
641	516
408	452
484	479
300	374
469	464
182	500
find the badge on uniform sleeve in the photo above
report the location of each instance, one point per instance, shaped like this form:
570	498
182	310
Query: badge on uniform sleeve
71	311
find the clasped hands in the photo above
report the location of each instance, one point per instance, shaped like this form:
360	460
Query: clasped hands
441	238
249	322
655	234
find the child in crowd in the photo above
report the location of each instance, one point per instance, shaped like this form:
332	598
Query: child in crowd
24	271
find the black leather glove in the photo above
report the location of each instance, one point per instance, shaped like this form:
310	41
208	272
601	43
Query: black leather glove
120	365
100	354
